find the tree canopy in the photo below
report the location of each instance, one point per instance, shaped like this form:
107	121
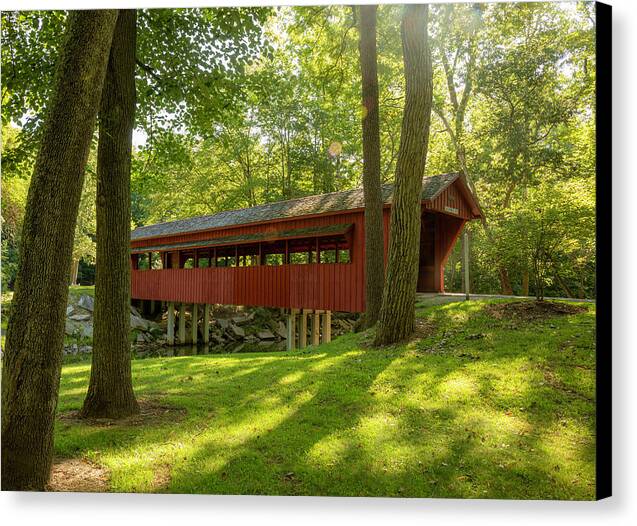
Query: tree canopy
239	107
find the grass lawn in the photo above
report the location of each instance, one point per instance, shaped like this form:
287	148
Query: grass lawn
480	408
78	290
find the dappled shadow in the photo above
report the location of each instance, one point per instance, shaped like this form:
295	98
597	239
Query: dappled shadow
473	411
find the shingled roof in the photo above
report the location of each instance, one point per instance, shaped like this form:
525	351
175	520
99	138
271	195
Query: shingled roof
303	206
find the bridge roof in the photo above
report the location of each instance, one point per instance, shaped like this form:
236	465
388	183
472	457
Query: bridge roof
432	186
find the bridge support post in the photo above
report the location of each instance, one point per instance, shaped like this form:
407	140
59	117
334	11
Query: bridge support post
170	329
291	339
327	327
303	330
206	323
194	323
182	324
316	327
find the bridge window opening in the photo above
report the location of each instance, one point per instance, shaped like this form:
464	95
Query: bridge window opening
248	255
344	255
274	259
297	251
328	256
143	261
156	261
299	258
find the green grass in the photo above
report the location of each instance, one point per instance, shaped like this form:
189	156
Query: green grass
480	409
78	290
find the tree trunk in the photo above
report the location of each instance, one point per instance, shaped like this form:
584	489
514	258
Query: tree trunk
110	393
374	248
75	266
525	282
35	334
396	320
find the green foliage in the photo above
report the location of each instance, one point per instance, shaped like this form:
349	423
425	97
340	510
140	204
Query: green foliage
245	106
552	232
528	134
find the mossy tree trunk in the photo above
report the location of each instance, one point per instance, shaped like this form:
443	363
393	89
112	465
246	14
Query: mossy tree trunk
35	334
374	249
110	393
396	321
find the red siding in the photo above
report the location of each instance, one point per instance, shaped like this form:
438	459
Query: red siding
326	286
336	287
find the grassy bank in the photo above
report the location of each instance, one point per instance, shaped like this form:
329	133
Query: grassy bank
481	406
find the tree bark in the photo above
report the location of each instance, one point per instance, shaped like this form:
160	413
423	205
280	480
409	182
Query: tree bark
75	266
35	334
374	262
110	393
525	282
397	315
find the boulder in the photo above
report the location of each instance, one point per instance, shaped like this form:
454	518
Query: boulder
86	302
71	327
69	309
139	323
135	312
214	337
140	337
87	330
237	331
265	335
240	320
223	323
281	330
80	317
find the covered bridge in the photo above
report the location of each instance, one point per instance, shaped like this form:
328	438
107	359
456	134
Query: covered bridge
306	254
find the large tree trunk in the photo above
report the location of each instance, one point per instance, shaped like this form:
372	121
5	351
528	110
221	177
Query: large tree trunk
396	321
374	264
35	335
110	393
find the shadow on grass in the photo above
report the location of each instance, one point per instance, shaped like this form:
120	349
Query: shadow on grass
476	417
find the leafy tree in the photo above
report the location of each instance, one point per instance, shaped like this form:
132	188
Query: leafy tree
110	392
551	227
397	315
374	263
35	333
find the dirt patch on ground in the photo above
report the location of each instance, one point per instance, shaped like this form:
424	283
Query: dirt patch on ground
151	412
161	478
77	474
531	310
423	327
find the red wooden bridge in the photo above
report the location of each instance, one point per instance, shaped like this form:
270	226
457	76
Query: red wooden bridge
305	254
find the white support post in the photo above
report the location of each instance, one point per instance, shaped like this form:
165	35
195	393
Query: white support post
303	330
206	323
182	324
316	327
194	323
291	339
327	327
170	330
465	250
